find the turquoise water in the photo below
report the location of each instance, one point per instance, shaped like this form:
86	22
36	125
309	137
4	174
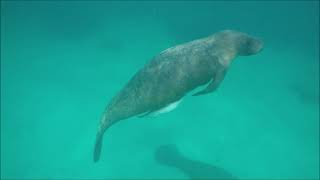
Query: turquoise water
62	62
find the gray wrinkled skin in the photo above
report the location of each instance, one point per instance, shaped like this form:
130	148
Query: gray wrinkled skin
173	73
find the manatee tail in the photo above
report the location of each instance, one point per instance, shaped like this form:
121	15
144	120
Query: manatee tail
104	125
98	147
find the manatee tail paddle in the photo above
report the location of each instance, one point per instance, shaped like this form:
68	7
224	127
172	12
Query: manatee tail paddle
97	147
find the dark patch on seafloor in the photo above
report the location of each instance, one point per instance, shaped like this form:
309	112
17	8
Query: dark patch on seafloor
169	155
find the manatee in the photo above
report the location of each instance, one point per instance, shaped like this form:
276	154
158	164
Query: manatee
161	84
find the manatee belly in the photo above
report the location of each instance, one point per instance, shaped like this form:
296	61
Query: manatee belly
156	86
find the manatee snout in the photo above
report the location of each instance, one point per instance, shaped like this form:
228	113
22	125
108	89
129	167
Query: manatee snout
251	46
255	46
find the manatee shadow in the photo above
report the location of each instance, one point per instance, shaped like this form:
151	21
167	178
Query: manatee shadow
169	155
306	95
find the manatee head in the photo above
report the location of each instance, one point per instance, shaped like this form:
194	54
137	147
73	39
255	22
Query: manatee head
249	45
242	43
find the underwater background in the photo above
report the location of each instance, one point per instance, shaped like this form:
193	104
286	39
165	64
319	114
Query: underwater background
63	61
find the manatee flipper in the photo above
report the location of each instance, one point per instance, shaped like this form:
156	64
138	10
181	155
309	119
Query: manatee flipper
165	109
214	84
